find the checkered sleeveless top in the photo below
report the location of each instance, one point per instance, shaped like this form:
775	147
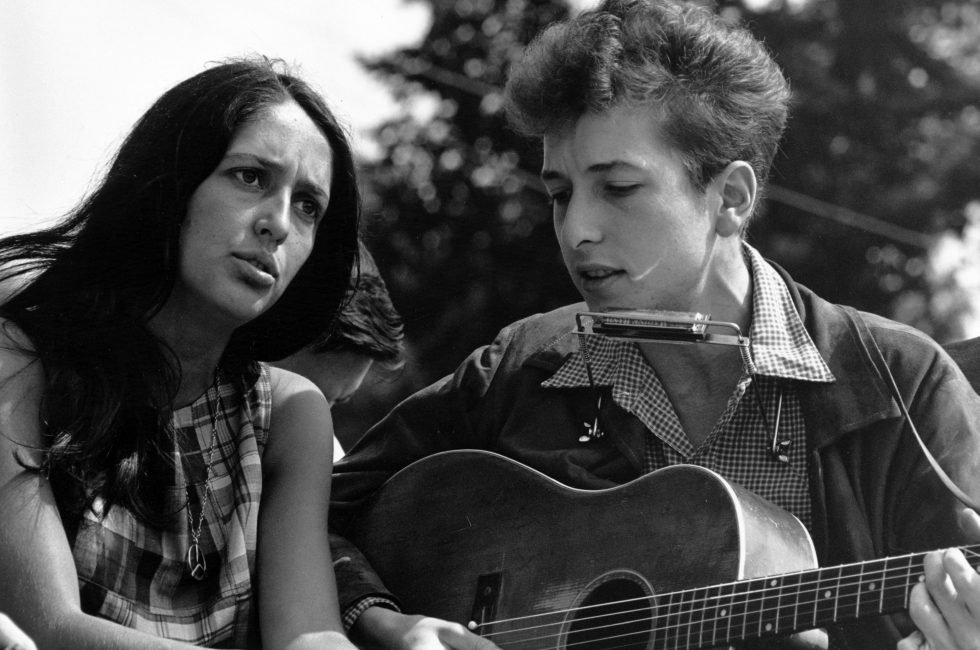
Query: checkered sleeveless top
138	576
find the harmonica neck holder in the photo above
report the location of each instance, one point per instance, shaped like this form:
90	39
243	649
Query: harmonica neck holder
660	326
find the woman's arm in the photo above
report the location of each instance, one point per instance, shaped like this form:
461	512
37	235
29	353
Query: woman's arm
296	588
40	585
12	637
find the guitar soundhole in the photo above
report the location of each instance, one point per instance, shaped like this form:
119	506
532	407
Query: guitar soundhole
615	614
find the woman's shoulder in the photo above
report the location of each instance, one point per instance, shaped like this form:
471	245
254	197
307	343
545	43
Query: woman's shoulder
12	336
21	387
300	413
18	360
284	384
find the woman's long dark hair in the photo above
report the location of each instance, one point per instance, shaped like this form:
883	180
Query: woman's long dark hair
91	283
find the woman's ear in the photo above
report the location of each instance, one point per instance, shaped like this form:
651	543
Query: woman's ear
737	189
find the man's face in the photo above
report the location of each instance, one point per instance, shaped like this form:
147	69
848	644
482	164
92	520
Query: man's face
633	231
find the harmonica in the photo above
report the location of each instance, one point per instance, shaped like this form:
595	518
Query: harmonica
659	325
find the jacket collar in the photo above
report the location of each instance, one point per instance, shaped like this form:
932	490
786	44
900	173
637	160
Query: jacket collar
859	396
553	353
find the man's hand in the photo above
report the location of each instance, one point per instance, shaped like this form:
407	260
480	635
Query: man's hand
384	628
946	605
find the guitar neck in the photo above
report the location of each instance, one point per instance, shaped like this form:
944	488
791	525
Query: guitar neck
782	604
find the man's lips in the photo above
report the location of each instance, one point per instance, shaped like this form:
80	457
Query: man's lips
593	273
598	273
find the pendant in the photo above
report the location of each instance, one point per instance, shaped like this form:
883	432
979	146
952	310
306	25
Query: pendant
196	562
592	431
780	450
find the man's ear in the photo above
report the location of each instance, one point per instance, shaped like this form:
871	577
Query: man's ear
737	187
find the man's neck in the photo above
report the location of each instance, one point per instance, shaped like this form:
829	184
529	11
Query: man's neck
727	289
700	377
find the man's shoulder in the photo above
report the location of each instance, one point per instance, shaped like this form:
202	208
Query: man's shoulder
544	339
901	332
966	354
545	324
828	320
965	350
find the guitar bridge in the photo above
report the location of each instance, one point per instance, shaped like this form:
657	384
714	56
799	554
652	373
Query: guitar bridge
485	600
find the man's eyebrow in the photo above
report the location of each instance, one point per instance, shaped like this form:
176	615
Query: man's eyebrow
550	174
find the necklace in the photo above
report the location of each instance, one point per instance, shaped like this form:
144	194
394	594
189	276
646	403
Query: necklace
196	562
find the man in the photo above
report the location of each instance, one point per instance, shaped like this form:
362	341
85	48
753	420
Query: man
368	332
966	354
659	122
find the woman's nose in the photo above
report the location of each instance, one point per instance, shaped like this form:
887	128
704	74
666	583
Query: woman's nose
273	218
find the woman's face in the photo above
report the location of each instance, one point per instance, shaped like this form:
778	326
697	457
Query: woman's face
251	224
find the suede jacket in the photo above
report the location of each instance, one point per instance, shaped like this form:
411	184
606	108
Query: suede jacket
873	491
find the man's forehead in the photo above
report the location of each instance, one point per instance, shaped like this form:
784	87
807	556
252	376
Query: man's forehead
605	137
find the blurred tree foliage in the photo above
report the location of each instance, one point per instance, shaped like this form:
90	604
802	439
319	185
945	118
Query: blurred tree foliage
886	125
886	122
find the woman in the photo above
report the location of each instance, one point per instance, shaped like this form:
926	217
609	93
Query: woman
146	492
12	637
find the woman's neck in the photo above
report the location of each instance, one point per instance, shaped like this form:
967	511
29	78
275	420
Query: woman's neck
198	350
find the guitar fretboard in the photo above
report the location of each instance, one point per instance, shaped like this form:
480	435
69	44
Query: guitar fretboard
778	605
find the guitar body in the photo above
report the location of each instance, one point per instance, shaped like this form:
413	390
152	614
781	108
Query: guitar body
473	536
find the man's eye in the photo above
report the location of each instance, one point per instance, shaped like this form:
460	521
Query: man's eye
622	189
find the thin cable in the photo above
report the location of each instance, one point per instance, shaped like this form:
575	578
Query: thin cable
594	431
886	373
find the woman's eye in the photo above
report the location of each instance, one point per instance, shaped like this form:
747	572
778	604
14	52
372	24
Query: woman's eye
309	208
249	176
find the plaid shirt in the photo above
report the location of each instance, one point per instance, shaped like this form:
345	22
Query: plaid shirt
739	445
138	577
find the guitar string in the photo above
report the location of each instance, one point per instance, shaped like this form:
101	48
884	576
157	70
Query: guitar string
685	630
666	629
686	633
670	596
842	582
862	577
664	635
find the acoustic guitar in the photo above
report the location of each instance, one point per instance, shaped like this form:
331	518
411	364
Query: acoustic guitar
476	538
